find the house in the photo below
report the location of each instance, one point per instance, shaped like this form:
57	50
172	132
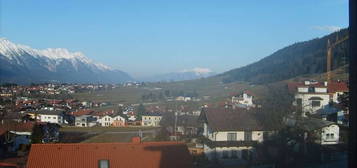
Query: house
85	121
243	100
319	131
110	118
311	96
332	112
151	119
336	89
50	116
187	125
230	134
119	121
110	155
13	135
105	121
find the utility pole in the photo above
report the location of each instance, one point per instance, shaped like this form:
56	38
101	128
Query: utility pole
175	133
329	58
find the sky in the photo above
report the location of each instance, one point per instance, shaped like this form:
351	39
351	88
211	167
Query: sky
145	38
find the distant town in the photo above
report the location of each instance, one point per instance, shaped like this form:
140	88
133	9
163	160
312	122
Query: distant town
228	131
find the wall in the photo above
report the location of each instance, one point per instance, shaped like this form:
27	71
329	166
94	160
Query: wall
51	118
222	135
332	129
212	153
306	103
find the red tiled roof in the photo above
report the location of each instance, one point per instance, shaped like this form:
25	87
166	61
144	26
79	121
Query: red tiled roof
87	155
334	87
103	113
15	126
82	112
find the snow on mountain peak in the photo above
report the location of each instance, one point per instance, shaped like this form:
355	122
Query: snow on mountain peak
198	70
9	49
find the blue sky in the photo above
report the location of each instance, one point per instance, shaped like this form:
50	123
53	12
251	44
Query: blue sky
146	37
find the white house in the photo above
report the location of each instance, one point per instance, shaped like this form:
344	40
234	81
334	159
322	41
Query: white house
50	116
85	121
311	96
151	119
106	121
230	134
319	131
244	99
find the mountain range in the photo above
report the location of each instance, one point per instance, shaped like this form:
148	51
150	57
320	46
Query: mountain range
302	58
188	74
22	64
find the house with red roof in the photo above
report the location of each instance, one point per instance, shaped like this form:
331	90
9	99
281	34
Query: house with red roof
311	96
110	155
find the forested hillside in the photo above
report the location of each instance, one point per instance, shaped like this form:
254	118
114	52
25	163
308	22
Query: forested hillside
303	58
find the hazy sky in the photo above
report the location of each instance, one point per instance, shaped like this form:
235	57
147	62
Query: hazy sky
153	37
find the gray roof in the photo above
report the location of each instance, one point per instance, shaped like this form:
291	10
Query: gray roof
311	124
50	112
228	119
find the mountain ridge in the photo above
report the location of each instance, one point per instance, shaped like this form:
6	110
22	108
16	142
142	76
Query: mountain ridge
23	64
301	58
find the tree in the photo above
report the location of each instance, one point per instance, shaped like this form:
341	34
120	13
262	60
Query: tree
344	101
37	134
140	111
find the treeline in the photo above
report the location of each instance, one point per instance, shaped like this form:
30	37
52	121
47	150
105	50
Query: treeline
301	58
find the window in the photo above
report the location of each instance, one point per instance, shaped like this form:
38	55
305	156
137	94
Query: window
54	117
330	136
225	154
103	164
234	154
248	136
245	154
231	136
315	103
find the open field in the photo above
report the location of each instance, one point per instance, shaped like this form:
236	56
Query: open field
212	87
107	137
104	134
123	95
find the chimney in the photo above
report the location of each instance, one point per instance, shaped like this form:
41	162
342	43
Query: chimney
136	139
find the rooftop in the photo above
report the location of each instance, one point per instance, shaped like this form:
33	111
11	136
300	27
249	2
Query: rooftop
228	119
87	155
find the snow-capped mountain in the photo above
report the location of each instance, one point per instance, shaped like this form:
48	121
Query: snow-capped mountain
22	64
187	74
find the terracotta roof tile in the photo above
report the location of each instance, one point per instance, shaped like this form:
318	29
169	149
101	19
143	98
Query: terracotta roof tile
133	155
82	112
15	126
334	87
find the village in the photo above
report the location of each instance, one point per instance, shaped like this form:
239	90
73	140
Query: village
227	133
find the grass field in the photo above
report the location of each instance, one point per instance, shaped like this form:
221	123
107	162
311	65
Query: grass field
212	87
123	95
